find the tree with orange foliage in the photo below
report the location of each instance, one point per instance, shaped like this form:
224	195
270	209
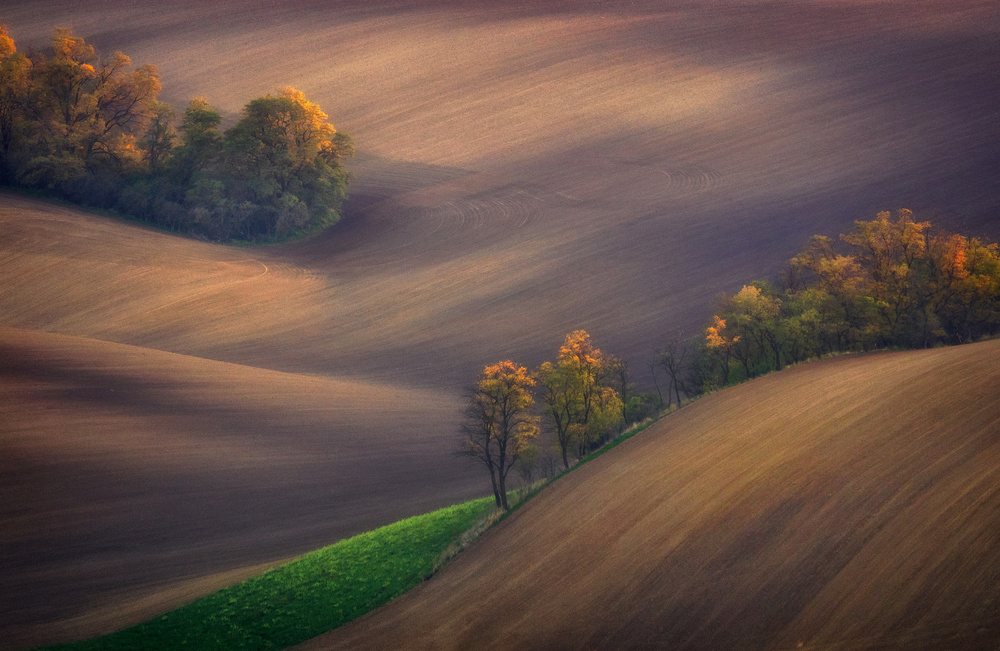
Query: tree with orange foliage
900	284
834	285
500	425
755	314
91	109
720	347
964	287
14	87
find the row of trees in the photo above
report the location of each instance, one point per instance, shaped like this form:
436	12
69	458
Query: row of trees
91	130
575	398
891	283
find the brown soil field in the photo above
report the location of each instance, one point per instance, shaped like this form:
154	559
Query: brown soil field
524	170
845	504
130	473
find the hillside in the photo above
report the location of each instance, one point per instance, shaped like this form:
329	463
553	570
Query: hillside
136	480
524	170
528	170
850	503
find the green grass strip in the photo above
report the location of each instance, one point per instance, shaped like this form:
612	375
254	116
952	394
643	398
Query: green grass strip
309	596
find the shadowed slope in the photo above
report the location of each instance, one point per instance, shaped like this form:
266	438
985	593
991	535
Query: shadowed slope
134	480
849	503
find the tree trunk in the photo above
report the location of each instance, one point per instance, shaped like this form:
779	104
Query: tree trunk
652	371
503	490
496	489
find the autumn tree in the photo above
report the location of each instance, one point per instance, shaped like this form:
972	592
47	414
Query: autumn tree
159	138
559	404
892	281
899	283
890	251
618	375
835	285
962	290
500	425
719	344
754	316
200	143
91	110
15	70
577	397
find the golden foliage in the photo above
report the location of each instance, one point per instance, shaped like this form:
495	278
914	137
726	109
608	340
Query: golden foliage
714	337
581	406
6	43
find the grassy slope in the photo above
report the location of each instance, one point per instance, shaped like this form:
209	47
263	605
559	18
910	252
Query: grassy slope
135	480
311	595
849	503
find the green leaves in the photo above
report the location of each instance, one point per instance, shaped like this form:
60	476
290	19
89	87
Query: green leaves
89	129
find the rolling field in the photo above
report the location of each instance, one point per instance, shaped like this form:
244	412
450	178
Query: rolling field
177	414
846	504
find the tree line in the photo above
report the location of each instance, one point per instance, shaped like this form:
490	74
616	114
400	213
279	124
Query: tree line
91	130
890	283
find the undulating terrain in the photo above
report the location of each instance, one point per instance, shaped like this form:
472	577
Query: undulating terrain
177	413
844	504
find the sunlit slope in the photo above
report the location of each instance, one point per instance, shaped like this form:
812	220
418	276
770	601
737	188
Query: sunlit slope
394	302
578	164
852	503
75	273
131	478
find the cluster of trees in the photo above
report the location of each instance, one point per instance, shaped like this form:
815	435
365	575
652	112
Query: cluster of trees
892	283
579	397
90	130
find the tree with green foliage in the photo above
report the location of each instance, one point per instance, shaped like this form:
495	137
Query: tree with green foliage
159	138
201	142
284	158
889	253
90	110
90	130
577	396
754	316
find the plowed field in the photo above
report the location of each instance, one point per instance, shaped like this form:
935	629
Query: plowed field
178	412
847	504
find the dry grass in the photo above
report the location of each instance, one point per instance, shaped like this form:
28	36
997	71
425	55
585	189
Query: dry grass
850	503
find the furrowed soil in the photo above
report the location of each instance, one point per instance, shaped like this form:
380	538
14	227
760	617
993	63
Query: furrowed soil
852	503
178	413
